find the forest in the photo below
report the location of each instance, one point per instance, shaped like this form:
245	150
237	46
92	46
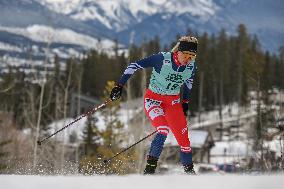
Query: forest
229	69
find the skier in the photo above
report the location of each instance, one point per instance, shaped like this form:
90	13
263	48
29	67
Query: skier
171	71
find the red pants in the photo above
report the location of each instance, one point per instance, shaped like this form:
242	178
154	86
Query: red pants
165	113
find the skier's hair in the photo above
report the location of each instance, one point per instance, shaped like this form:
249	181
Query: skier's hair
184	38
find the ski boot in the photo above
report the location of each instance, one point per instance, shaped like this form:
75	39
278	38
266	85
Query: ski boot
151	165
189	169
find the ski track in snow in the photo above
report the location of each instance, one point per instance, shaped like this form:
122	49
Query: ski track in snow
140	181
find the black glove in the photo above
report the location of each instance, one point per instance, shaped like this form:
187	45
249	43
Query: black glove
116	92
185	108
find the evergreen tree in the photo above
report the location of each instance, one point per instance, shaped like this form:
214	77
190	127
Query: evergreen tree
242	50
113	137
152	47
91	136
135	54
212	73
266	75
113	133
3	155
280	69
91	75
222	60
202	60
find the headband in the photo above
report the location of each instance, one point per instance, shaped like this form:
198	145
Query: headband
187	46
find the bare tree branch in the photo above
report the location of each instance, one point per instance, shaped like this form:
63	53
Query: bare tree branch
8	88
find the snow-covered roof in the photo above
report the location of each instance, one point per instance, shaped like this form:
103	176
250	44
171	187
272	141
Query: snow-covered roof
197	138
230	148
274	145
230	151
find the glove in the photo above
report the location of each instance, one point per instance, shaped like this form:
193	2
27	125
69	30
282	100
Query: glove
116	92
185	108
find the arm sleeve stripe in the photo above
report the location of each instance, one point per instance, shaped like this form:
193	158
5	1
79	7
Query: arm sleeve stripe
188	83
132	68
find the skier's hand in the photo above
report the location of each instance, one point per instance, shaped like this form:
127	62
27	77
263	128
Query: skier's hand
185	108
116	92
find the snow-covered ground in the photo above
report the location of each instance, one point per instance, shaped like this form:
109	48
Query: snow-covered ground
139	181
42	33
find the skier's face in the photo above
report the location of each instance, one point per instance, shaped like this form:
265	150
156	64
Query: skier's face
185	57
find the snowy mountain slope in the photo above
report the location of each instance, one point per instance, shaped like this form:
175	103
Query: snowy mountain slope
8	47
120	14
22	47
80	23
43	33
142	182
166	18
166	26
26	27
16	13
201	7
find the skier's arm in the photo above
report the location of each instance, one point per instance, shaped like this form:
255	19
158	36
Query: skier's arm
148	62
188	86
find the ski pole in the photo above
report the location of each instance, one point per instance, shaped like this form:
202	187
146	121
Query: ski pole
39	142
107	160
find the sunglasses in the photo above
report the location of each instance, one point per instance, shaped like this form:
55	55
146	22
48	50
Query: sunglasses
189	54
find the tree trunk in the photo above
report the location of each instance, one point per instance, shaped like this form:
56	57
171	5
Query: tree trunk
42	85
38	125
221	96
66	92
200	109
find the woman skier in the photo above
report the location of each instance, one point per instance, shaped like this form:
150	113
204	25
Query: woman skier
162	104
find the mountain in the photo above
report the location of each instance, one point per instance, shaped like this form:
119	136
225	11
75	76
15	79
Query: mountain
23	13
261	17
78	25
163	17
27	26
119	15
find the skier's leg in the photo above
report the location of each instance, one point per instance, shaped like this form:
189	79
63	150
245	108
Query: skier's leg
154	110
154	153
178	125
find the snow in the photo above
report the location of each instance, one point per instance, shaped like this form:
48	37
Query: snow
116	14
43	33
46	34
90	13
64	135
8	47
142	182
197	138
275	145
63	6
79	126
126	112
230	151
229	113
